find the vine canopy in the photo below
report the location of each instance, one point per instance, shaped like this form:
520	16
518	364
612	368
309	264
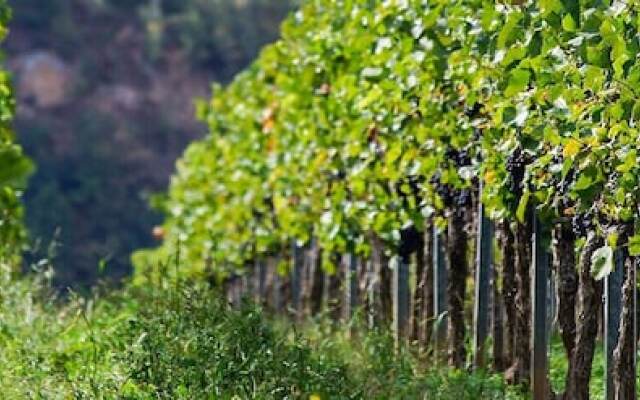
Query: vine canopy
367	117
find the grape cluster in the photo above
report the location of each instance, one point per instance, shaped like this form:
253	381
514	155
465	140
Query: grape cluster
582	223
460	158
410	240
443	190
516	166
517	161
472	111
451	196
463	198
414	183
562	184
613	181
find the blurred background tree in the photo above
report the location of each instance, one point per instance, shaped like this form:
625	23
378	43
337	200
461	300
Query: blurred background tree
104	90
205	28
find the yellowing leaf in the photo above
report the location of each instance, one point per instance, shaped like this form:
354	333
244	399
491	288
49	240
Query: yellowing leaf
571	148
490	177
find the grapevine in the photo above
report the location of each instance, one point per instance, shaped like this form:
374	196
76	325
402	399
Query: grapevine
14	167
368	121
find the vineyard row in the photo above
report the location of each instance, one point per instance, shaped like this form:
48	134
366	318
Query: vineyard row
370	124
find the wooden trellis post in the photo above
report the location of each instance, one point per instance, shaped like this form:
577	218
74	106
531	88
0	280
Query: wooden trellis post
260	281
331	291
350	285
484	261
371	294
539	283
307	278
552	301
276	284
247	284
440	280
296	279
317	278
612	311
235	290
497	322
401	298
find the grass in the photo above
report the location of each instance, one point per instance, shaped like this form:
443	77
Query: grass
376	364
182	342
558	365
51	349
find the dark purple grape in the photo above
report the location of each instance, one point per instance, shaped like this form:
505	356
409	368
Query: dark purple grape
463	198
582	223
472	111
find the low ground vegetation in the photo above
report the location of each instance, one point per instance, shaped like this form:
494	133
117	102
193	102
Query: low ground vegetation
182	342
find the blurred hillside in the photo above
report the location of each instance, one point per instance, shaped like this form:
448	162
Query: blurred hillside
105	91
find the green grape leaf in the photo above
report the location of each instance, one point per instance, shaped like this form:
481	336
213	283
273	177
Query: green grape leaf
518	81
522	206
602	262
634	245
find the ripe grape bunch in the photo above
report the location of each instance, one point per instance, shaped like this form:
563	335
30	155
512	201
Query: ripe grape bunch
460	158
443	190
583	223
516	166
